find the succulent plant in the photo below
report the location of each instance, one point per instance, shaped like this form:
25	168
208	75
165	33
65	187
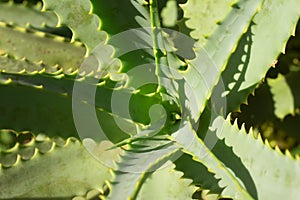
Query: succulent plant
149	99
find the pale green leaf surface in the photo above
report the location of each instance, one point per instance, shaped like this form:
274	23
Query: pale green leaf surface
282	96
55	174
276	176
78	17
186	138
273	26
12	65
137	164
204	71
166	183
198	173
169	14
85	26
233	75
248	64
203	16
35	47
10	12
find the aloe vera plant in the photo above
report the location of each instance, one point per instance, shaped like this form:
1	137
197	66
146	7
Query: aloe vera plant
147	99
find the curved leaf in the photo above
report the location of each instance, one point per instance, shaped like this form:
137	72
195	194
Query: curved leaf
187	139
137	163
233	75
275	175
10	12
12	65
78	17
205	69
198	173
203	16
167	183
47	99
41	176
36	47
272	30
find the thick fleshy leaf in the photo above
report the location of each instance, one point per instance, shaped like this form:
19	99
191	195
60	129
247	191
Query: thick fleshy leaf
205	69
248	64
198	173
233	75
41	176
270	29
275	175
78	17
187	139
167	184
137	163
37	48
33	95
10	12
203	16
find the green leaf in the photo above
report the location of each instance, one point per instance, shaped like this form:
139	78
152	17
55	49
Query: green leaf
233	75
292	80
205	69
203	16
10	12
112	15
248	62
275	175
198	173
282	96
78	17
169	14
167	184
33	95
37	48
273	25
41	175
12	65
137	163
208	61
187	139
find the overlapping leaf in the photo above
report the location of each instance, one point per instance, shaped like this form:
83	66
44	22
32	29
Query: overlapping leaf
31	15
137	163
47	99
187	139
34	46
204	16
271	170
40	174
261	60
